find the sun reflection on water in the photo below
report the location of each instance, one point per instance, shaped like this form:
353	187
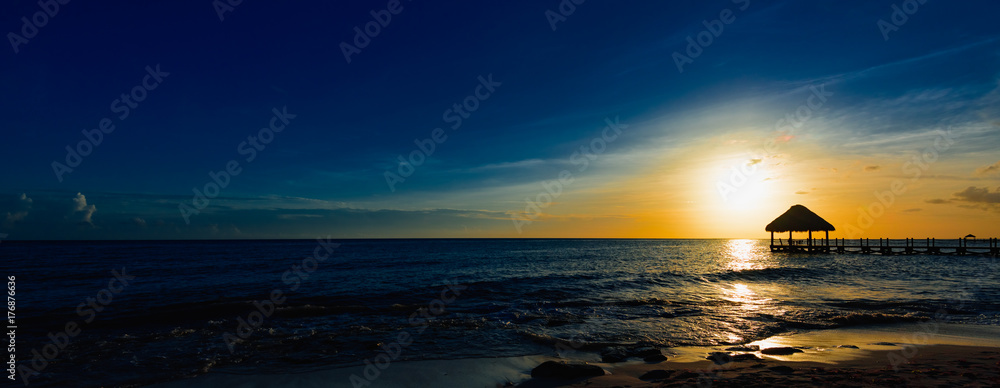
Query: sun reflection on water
747	299
742	293
744	255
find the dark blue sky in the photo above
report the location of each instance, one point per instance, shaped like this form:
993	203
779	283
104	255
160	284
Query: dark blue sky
325	173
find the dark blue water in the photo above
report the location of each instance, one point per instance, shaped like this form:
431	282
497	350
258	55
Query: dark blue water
504	298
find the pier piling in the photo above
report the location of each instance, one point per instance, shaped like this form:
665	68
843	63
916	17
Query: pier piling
888	246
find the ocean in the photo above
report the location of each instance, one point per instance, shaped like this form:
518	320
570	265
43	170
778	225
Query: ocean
145	312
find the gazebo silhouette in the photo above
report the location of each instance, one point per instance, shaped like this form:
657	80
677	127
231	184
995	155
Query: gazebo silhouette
798	218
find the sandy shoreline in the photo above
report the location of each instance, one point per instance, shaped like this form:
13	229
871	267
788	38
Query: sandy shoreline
885	355
892	355
929	365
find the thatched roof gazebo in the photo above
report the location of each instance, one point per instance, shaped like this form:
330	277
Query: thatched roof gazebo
799	219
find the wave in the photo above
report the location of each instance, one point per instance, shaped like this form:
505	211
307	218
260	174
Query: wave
773	273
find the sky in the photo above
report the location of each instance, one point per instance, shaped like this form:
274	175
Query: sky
508	119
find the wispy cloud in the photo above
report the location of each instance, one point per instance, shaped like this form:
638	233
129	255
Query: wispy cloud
527	163
987	170
846	76
22	207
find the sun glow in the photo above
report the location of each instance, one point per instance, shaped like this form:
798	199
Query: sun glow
739	191
751	193
743	185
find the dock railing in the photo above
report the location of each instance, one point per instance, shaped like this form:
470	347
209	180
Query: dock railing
959	246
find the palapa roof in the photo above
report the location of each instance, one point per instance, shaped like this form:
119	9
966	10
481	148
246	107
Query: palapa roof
798	219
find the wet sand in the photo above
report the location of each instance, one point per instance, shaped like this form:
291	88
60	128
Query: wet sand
931	365
885	355
898	355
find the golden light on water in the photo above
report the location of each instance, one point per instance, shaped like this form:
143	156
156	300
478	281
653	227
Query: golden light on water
748	298
746	301
744	255
742	292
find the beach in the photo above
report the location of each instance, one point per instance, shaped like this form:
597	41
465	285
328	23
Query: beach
477	313
883	355
955	355
937	365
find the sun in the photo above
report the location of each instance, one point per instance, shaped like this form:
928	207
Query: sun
743	185
742	192
730	194
750	194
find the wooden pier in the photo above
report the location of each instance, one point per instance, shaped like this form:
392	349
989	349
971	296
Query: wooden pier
886	246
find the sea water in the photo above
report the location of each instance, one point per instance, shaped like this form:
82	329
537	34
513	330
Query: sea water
196	307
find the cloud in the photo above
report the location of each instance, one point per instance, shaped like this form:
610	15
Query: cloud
936	201
872	168
507	166
81	211
912	210
22	207
754	161
801	192
122	216
15	217
517	164
986	170
979	195
298	216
